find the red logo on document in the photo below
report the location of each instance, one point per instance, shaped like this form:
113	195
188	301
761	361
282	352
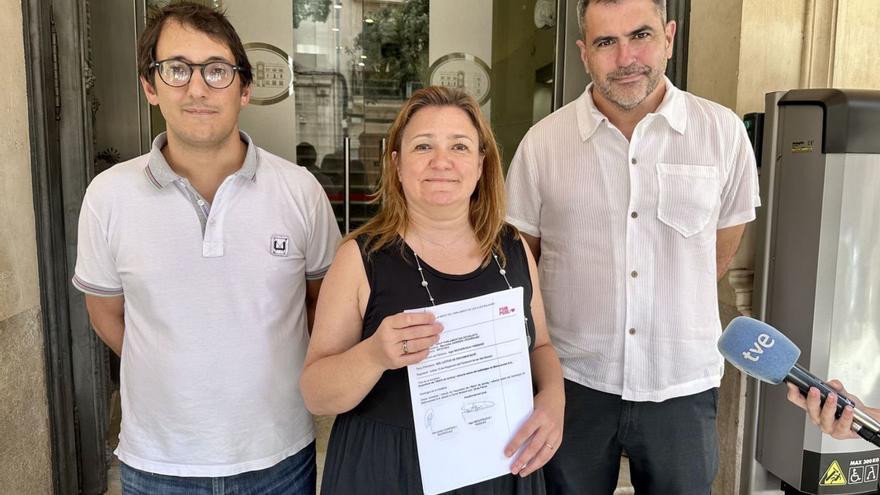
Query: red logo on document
505	310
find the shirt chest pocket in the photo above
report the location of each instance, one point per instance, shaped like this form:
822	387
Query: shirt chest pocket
688	195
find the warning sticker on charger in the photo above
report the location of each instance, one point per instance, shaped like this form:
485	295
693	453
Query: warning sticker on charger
839	473
833	476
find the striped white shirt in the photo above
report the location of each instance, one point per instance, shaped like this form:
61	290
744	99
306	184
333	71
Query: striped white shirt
627	233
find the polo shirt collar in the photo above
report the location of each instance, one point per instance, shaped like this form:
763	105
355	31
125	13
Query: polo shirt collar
672	109
160	174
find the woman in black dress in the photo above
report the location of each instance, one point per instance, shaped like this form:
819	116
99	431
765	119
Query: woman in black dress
439	236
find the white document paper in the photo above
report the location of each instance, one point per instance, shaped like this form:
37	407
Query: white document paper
473	391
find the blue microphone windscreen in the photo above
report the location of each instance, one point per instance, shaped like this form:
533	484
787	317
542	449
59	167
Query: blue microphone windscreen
758	349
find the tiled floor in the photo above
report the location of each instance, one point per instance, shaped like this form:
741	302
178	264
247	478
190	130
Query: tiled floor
322	432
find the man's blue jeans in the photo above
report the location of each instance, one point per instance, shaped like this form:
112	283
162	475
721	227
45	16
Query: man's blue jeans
292	476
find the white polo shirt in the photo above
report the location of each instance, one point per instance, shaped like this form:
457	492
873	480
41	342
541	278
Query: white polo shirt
627	232
215	318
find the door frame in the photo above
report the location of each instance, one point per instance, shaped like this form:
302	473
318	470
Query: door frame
60	111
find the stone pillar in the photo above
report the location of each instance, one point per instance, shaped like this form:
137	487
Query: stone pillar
24	421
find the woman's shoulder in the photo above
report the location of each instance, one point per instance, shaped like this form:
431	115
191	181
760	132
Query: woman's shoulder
348	253
370	243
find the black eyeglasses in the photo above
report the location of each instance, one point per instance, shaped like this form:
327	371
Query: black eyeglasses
177	73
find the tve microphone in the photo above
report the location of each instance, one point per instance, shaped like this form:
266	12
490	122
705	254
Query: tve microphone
762	352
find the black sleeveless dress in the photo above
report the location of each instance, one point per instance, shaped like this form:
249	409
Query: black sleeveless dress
372	448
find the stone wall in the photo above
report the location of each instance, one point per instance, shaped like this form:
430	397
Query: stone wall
25	461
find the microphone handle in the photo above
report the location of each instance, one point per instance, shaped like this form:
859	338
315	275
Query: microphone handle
867	434
866	426
803	379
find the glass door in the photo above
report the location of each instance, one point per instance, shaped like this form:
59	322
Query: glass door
326	76
330	76
308	102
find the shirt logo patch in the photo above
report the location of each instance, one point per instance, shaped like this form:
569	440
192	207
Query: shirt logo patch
278	245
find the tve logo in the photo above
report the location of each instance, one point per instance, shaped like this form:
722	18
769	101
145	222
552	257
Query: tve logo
764	342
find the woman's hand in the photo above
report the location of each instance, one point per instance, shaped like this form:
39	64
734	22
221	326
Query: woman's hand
403	339
823	416
539	436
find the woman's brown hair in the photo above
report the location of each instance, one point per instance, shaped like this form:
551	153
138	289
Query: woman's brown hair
487	203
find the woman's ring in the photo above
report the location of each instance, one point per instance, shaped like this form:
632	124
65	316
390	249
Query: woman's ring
548	446
405	350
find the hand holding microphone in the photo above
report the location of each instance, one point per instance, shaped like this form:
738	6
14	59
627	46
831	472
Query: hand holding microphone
825	416
764	353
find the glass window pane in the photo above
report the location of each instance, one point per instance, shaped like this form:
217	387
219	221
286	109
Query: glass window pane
327	70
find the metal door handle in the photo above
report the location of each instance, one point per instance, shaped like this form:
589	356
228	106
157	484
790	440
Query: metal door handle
346	147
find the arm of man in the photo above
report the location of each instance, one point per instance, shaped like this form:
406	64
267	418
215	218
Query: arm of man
108	318
739	197
313	288
322	243
726	243
534	244
524	196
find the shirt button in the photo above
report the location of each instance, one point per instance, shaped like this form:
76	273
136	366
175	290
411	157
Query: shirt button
201	203
634	161
634	214
634	274
212	222
632	331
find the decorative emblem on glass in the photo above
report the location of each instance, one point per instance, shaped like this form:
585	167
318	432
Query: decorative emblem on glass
465	71
273	73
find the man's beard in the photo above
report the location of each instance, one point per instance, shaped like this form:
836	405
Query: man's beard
623	101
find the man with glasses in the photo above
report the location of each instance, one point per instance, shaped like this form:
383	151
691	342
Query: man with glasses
201	263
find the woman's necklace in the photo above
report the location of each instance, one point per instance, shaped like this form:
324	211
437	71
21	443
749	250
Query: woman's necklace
501	271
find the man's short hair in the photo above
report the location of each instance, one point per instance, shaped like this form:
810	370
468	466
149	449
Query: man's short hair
583	4
205	19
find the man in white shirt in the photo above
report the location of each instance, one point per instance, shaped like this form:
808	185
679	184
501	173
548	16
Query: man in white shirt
201	262
633	197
